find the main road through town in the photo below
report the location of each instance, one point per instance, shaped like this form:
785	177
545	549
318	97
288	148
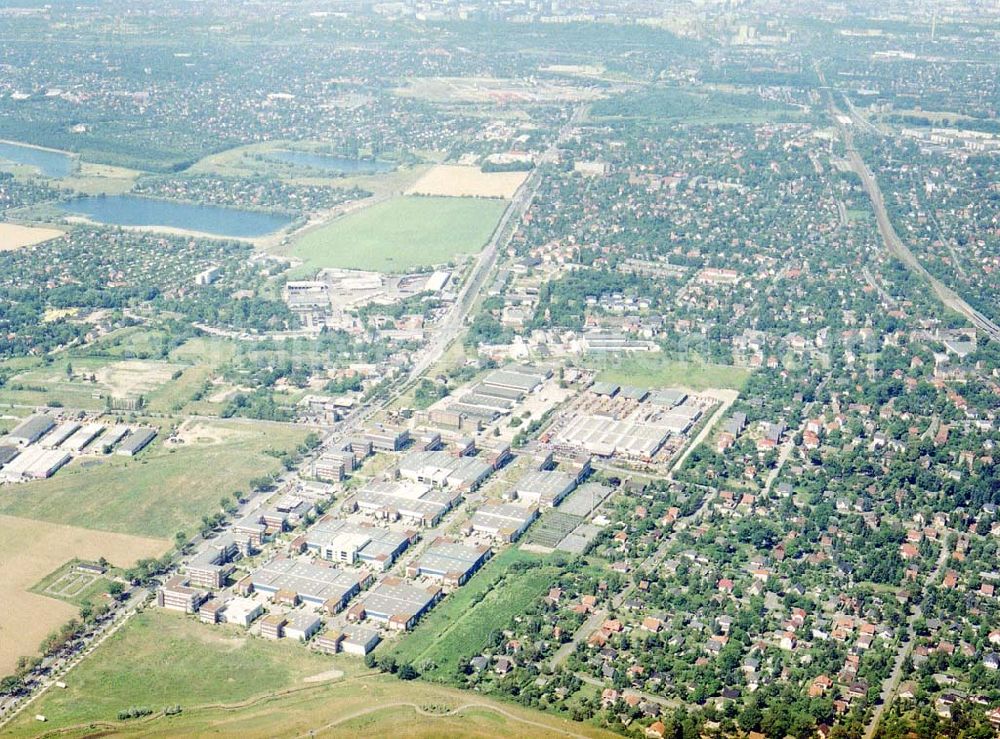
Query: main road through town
892	241
454	322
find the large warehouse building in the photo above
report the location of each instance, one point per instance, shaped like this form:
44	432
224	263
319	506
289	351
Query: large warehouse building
544	488
449	562
31	429
607	437
413	502
504	521
395	603
441	469
290	580
337	540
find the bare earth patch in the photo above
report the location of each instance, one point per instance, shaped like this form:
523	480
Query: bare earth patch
201	432
134	377
322	677
30	550
14	236
458	181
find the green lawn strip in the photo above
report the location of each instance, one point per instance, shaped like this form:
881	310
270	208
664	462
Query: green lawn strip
64	575
459	627
661	372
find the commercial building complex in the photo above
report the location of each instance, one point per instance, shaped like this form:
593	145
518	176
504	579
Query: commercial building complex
395	603
449	562
544	488
292	581
504	521
412	502
441	469
348	543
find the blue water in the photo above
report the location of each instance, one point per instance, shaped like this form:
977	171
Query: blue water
130	210
330	163
49	163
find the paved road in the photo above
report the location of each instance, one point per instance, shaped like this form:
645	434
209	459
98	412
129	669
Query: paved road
891	683
454	323
945	294
449	330
587	628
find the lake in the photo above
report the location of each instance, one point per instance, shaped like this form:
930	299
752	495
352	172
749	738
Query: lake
49	163
130	210
330	163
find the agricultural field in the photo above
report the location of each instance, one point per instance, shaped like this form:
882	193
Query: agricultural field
30	552
166	489
460	626
659	371
14	236
456	181
228	683
400	234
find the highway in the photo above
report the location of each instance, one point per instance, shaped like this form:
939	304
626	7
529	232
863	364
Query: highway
454	322
945	294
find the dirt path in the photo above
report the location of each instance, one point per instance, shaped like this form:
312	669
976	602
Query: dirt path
442	714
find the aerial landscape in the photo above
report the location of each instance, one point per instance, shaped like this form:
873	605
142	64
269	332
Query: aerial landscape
487	368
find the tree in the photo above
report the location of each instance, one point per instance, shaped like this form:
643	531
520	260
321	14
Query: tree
408	672
11	685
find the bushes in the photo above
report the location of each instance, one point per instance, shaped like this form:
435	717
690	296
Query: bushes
136	712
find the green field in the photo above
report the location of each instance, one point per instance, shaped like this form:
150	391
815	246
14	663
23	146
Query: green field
162	659
159	492
228	683
71	586
400	234
126	363
49	385
459	627
658	371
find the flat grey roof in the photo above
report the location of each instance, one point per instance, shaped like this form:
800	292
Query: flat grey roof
394	597
7	453
136	441
505	378
32	427
585	499
546	484
310	581
460	470
444	557
609	389
382	543
634	393
503	515
668	397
